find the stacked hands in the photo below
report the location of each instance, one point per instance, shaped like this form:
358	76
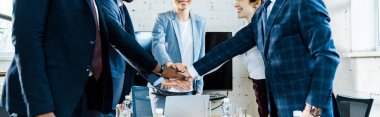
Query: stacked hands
176	75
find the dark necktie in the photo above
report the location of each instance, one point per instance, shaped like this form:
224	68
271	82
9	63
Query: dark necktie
122	16
97	57
264	19
127	21
264	14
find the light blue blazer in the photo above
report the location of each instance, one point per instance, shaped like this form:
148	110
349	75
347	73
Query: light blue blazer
166	40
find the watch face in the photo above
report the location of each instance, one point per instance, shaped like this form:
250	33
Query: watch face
316	112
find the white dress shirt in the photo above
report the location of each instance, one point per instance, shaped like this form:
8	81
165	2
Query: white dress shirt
254	63
187	42
193	73
270	7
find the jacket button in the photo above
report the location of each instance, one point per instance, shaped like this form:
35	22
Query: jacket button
92	42
88	68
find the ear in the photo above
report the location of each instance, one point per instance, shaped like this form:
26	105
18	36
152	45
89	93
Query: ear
257	4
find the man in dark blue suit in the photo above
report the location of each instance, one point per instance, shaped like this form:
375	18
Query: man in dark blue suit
61	64
121	72
295	39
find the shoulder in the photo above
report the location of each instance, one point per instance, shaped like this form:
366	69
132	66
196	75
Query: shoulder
199	18
165	15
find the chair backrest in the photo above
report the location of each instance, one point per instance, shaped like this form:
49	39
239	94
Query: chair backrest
141	102
144	38
3	112
354	107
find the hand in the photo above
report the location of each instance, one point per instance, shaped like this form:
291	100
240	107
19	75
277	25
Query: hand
306	113
184	84
172	73
179	67
186	74
119	106
49	114
168	64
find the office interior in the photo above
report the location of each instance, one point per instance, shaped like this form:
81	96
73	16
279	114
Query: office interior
356	32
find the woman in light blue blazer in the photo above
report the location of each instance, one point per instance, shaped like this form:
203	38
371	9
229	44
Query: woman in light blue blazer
179	37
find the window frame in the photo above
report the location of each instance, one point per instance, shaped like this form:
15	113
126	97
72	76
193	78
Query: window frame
6	55
378	26
356	52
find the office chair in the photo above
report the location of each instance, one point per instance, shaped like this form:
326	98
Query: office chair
354	107
3	112
141	102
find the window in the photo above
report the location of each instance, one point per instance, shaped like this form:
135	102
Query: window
365	25
6	48
378	25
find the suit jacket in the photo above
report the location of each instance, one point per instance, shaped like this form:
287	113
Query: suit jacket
54	45
122	73
298	53
166	43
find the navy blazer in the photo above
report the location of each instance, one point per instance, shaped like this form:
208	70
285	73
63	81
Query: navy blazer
298	51
54	45
122	73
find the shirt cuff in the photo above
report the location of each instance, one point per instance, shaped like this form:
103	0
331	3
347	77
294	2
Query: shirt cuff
193	73
157	82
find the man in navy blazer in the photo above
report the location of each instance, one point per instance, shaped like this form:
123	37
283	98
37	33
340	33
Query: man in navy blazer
295	39
121	72
54	41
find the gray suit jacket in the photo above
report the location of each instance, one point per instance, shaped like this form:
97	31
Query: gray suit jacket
166	39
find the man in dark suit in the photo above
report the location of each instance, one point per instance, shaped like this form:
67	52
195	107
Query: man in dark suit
121	72
61	63
294	37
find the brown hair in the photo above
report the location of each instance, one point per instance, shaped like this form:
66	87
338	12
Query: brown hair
256	1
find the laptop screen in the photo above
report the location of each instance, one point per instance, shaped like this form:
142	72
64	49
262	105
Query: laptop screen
187	106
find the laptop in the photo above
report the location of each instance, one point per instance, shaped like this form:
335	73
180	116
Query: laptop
187	106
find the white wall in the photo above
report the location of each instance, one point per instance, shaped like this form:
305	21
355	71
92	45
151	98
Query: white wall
356	76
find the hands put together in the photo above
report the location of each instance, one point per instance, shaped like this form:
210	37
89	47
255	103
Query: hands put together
176	74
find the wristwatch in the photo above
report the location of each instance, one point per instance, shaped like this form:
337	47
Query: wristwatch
315	111
162	67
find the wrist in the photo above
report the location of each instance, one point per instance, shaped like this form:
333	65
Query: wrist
157	69
162	67
307	107
315	111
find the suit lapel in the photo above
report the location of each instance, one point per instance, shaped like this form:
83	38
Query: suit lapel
195	25
89	4
176	29
273	14
128	22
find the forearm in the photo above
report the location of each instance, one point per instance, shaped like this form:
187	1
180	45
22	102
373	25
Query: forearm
159	44
322	80
129	47
240	43
159	52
